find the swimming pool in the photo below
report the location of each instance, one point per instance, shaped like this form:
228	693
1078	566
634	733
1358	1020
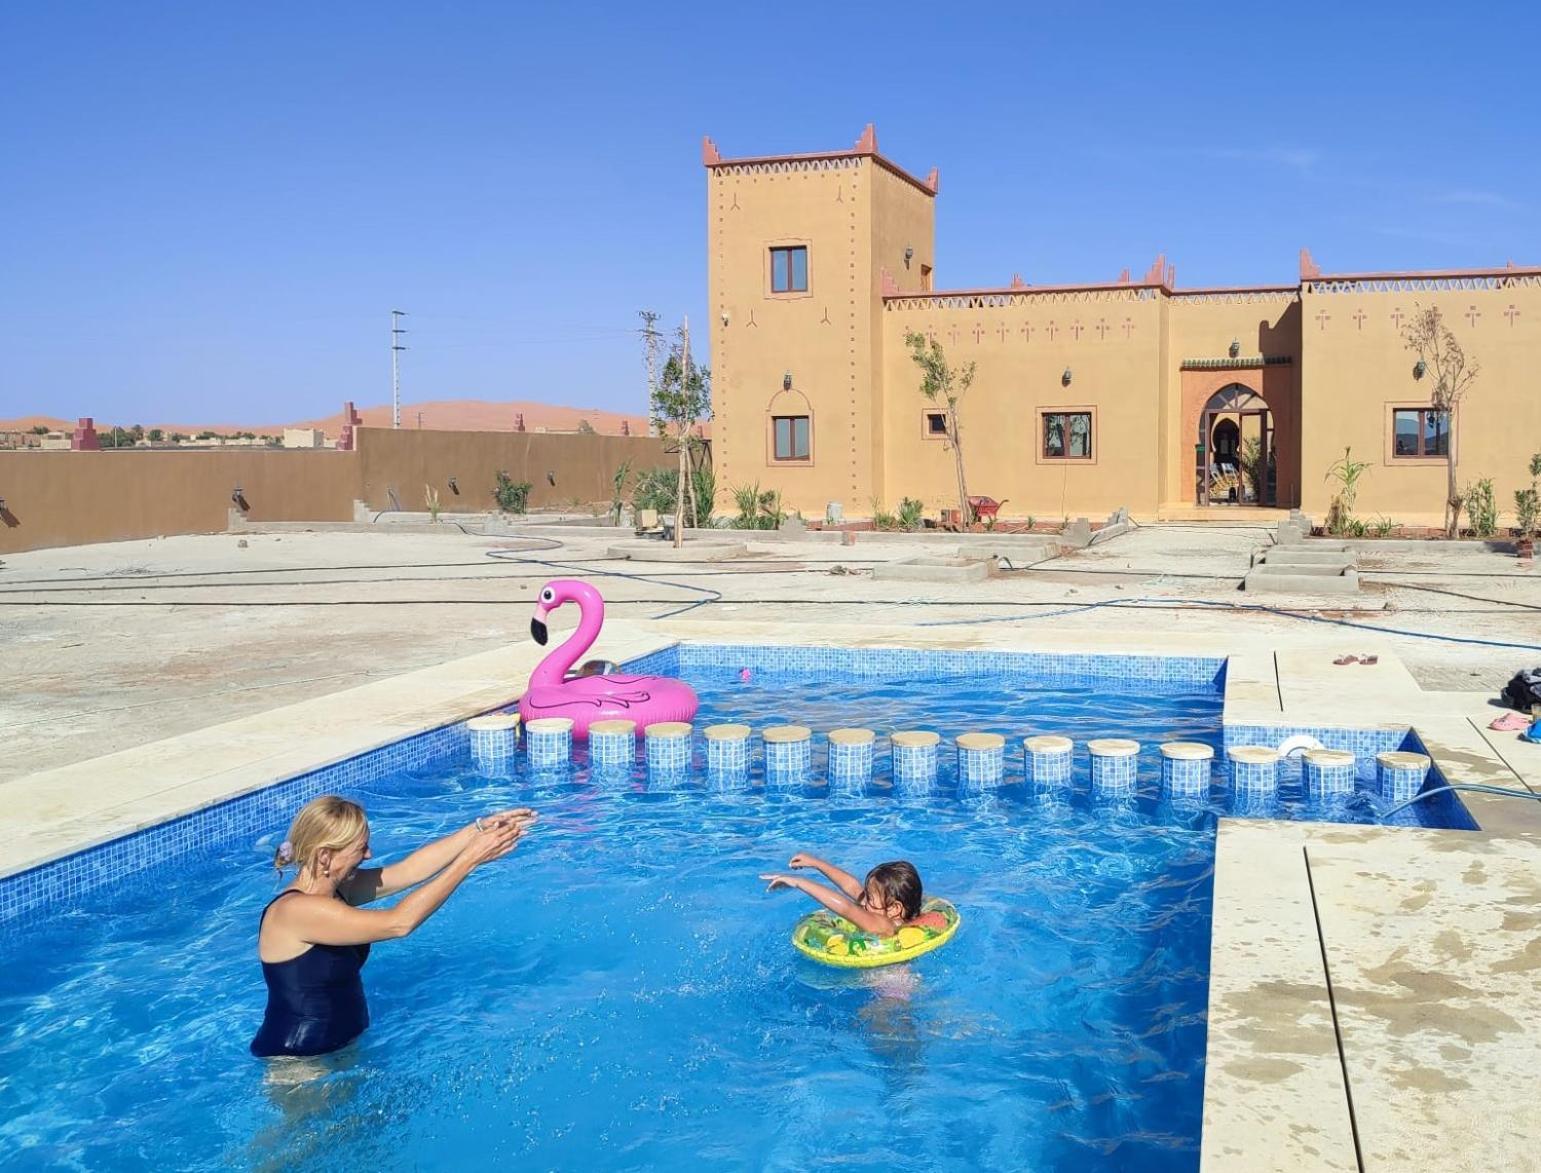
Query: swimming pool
621	994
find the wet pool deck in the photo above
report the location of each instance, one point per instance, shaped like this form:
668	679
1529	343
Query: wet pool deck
1373	992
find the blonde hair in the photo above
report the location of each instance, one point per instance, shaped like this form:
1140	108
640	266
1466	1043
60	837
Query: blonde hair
328	823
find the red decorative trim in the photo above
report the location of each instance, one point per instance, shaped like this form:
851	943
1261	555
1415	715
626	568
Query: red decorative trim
890	286
1017	282
1309	269
709	153
868	143
934	180
1509	270
1123	277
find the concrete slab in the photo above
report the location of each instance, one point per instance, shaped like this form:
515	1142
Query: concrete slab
1302	580
930	569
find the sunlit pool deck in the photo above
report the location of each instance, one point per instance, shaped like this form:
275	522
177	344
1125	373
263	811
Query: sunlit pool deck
1373	998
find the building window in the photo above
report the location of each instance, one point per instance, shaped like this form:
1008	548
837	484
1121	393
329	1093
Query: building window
789	270
936	425
1067	435
925	278
791	437
1420	431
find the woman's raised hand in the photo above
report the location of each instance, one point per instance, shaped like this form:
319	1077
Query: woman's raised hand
803	860
494	841
776	880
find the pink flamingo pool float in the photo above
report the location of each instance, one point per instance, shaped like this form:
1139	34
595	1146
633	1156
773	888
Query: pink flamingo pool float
586	699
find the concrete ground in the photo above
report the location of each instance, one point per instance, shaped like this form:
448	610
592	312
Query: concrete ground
111	646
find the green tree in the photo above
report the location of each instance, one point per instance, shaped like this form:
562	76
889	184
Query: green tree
40	429
1441	356
680	400
585	428
942	384
156	435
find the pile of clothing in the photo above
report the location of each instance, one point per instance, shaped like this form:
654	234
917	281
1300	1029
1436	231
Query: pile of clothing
1522	693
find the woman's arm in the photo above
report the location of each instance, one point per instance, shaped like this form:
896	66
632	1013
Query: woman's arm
324	921
370	884
843	880
863	918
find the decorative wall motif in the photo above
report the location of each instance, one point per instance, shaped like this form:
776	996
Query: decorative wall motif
1006	299
1236	296
1429	283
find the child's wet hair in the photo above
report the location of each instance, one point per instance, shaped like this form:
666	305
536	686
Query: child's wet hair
900	882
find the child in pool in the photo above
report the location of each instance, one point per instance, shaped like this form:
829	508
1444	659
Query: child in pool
882	904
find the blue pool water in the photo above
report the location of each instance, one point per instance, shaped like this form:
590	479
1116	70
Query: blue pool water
621	994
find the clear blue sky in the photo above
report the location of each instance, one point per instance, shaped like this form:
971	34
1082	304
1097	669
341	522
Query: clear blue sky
207	210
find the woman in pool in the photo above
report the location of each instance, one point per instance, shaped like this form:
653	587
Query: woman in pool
313	939
882	904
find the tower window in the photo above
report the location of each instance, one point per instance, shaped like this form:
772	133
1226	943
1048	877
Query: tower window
791	437
936	425
789	269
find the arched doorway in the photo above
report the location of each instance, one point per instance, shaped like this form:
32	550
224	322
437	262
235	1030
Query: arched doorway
1236	449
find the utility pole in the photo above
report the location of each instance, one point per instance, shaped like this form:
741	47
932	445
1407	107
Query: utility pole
396	349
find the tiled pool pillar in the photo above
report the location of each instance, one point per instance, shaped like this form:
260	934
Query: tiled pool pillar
1328	772
981	759
1254	768
1185	768
727	754
914	758
850	759
1401	774
549	742
1115	765
788	754
612	747
668	751
494	738
1048	759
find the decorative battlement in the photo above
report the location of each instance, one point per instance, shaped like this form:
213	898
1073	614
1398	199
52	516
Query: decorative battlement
987	299
1429	281
866	148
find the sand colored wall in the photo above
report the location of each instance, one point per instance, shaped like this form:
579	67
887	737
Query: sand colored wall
1354	369
581	465
72	498
1021	343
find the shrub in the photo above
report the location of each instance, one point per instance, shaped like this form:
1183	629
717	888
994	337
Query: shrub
512	496
1340	514
911	513
1481	508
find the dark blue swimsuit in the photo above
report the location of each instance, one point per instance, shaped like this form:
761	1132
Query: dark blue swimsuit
315	1001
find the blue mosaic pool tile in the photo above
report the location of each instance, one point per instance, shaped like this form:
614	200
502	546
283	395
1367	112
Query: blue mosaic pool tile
1049	767
1329	779
668	752
1115	775
1185	776
612	748
981	767
235	820
727	755
548	748
850	763
906	663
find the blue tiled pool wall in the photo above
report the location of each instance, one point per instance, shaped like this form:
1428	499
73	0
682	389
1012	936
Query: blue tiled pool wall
62	882
1149	672
240	819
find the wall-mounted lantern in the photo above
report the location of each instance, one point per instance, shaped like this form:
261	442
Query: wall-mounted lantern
238	496
908	254
1235	348
1065	378
786	381
2	504
551	479
1418	369
454	487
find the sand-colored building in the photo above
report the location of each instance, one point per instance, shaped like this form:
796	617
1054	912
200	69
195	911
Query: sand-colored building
1133	392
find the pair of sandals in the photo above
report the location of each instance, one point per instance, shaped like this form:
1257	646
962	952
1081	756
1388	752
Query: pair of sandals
1341	660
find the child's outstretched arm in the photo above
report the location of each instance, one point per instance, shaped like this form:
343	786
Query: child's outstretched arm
843	880
863	918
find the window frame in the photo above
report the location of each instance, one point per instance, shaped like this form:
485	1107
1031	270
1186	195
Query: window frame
1040	440
776	457
1422	410
792	290
925	425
